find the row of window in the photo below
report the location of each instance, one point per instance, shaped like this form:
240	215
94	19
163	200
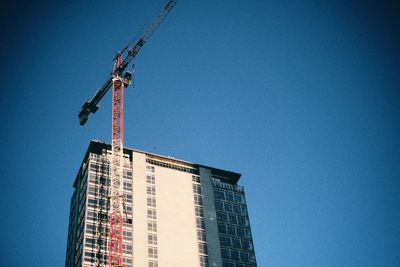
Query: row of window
236	243
231	207
225	186
229	196
234	230
199	213
235	255
237	264
172	166
234	219
152	240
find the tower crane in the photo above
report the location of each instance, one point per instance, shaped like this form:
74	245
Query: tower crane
118	80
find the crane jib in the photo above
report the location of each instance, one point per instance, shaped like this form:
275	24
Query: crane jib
91	106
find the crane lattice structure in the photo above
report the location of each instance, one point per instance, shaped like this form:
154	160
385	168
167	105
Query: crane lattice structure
118	80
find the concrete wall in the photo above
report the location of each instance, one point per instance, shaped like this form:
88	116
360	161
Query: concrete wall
176	225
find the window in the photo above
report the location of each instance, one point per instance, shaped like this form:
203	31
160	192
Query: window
219	205
240	232
234	255
239	198
244	257
199	211
151	179
127	235
150	168
151	214
225	241
196	189
198	200
229	196
221	229
152	226
228	207
151	202
196	179
236	243
128	210
203	248
222	217
200	223
219	195
232	219
203	261
201	235
153	263
127	186
224	253
231	230
244	210
153	252
151	190
152	239
126	248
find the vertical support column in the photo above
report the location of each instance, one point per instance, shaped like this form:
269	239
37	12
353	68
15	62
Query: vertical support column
210	219
116	167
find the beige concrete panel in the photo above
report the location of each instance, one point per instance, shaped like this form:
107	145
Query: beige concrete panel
139	210
177	233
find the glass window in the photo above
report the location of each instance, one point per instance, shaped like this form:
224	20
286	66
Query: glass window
202	248
221	228
224	253
219	205
196	179
225	241
150	179
196	189
199	211
229	196
152	226
219	195
228	207
234	255
198	200
201	235
240	232
150	168
232	219
153	252
203	261
151	202
151	190
236	209
231	230
152	239
244	257
151	214
236	243
200	223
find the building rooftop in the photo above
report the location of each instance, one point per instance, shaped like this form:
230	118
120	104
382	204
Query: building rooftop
96	146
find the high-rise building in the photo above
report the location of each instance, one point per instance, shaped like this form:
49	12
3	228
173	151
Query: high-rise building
176	213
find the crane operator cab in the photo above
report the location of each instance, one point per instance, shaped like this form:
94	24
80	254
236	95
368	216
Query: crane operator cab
127	78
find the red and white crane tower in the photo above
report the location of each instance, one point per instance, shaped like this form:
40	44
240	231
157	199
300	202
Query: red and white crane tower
118	80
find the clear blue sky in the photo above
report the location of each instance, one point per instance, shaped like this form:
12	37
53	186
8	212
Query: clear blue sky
301	97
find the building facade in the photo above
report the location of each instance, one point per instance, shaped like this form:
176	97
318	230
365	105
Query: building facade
176	213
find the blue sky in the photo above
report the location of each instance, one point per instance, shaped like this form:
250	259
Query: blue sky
301	97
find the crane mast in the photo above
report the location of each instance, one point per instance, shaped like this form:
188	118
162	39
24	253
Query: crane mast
118	80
